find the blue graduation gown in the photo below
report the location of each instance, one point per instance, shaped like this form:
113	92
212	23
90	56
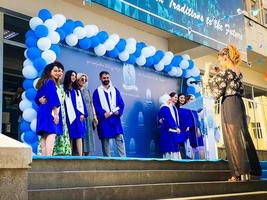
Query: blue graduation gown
194	123
184	119
77	129
110	127
45	123
168	142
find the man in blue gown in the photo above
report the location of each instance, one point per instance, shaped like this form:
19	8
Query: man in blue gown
109	107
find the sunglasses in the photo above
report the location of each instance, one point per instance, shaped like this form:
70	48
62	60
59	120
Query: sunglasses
83	80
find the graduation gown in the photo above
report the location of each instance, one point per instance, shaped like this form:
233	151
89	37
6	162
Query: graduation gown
45	123
194	123
168	138
77	129
110	127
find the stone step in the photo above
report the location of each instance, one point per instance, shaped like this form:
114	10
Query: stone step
259	195
84	163
147	191
68	179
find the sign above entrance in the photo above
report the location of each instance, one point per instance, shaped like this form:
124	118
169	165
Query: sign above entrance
208	22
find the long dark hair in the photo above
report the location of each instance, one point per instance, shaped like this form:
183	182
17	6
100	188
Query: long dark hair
60	66
178	102
67	82
46	75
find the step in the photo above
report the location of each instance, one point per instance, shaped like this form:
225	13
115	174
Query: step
66	179
259	195
85	163
147	191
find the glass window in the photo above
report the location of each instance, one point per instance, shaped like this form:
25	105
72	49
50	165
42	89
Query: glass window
248	92
265	16
254	7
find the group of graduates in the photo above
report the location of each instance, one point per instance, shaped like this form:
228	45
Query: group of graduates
180	129
69	115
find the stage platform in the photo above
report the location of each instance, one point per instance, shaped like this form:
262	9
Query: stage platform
134	178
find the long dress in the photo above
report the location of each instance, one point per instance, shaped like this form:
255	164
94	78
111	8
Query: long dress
195	124
240	151
89	145
62	144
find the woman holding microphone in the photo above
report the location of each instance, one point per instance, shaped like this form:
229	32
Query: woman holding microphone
227	83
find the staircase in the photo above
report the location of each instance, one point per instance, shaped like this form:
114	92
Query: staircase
100	178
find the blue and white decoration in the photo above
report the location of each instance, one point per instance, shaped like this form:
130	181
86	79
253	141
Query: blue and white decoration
42	42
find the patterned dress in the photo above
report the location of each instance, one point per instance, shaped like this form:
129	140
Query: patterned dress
89	145
240	150
62	144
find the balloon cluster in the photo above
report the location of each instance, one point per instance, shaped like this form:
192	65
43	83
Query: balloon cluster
48	31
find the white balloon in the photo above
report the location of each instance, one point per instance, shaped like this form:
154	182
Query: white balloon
100	50
130	47
123	56
54	37
22	137
29	114
91	30
173	71
44	43
141	60
33	125
29	72
169	53
115	38
59	19
186	57
179	72
195	72
166	60
27	62
131	40
159	67
184	64
109	44
188	74
35	21
146	52
80	32
25	104
49	56
153	50
197	88
23	95
35	82
71	40
189	81
25	54
51	24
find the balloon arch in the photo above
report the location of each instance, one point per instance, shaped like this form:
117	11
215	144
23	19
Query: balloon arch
42	43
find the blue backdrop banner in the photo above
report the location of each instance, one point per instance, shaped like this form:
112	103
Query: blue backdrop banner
140	88
213	23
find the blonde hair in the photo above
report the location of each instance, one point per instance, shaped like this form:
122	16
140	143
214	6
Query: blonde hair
232	53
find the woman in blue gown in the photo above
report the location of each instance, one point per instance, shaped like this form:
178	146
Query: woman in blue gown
196	137
169	128
76	111
49	123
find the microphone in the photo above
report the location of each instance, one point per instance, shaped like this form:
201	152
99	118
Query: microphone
195	82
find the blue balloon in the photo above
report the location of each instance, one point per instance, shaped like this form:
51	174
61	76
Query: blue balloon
61	33
33	53
78	23
140	45
29	33
34	147
94	41
149	62
159	54
55	48
68	26
30	137
191	64
167	68
176	60
131	59
198	78
41	31
156	59
197	94
113	53
138	51
103	36
35	106
190	90
25	126
85	43
30	93
40	73
184	73
27	83
31	41
44	14
39	63
121	45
